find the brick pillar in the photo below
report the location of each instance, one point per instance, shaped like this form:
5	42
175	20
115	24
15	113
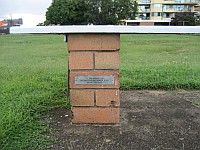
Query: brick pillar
94	78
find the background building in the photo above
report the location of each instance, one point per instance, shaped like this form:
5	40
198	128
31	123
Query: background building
7	23
160	12
164	9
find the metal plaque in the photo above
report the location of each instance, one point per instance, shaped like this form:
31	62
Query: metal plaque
98	80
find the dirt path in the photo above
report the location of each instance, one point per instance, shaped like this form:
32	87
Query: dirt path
150	120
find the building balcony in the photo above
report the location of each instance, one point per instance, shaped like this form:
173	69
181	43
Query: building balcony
156	18
144	10
148	2
181	2
178	10
166	18
144	18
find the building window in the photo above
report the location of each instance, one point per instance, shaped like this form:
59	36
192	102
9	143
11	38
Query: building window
144	8
157	5
144	16
178	7
166	15
166	7
156	14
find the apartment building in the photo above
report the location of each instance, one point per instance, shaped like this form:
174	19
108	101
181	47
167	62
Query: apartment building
164	9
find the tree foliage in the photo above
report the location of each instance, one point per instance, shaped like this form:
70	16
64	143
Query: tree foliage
184	18
99	12
67	12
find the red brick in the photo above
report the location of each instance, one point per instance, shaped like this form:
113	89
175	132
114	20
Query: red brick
82	97
108	98
147	24
108	60
93	41
72	76
96	115
81	60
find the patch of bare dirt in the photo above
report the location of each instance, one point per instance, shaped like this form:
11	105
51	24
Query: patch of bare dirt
150	120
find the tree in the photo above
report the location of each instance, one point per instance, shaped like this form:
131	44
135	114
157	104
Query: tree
127	9
112	11
99	12
67	12
184	18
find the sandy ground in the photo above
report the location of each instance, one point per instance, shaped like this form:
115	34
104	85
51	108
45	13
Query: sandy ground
150	120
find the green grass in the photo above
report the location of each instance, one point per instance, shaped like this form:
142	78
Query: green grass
33	80
160	62
33	77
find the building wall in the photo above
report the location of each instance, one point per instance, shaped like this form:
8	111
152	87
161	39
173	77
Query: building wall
197	8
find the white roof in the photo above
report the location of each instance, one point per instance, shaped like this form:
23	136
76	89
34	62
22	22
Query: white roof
147	20
105	29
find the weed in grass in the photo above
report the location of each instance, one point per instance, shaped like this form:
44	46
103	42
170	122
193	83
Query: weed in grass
196	102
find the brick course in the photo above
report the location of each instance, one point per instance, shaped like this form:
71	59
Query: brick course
108	60
82	97
80	60
95	115
93	42
108	98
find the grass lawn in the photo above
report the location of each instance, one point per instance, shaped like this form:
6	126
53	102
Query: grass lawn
33	80
160	62
33	74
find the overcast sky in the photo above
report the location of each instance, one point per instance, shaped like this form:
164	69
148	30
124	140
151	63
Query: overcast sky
32	11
